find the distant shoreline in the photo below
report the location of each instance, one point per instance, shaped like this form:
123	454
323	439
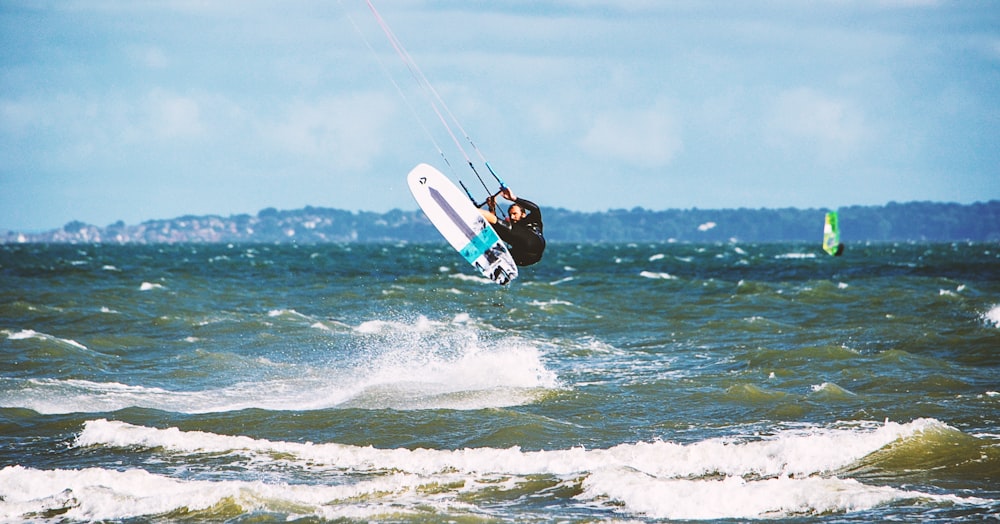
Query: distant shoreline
912	221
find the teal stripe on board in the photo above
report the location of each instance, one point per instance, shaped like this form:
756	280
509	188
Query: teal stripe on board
479	244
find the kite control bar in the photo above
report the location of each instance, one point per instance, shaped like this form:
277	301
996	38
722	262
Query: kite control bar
484	202
492	197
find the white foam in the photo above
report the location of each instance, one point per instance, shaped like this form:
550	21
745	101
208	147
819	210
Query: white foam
148	286
320	326
291	314
423	363
734	497
796	256
470	278
789	474
471	379
475	380
99	494
420	364
30	333
993	316
829	387
656	275
22	335
314	323
52	396
422	324
547	304
792	453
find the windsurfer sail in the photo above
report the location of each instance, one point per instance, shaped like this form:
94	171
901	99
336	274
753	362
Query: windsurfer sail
831	235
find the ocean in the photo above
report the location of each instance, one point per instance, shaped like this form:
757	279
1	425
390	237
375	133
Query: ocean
645	382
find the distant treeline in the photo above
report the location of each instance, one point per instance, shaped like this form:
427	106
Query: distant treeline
914	221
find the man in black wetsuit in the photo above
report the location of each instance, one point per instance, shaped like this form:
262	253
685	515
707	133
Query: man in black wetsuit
522	231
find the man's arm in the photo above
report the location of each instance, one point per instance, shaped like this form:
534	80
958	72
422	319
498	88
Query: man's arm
534	213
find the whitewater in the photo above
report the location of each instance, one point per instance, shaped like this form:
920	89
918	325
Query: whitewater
621	382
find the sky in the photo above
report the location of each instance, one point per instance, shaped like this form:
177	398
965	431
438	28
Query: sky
137	110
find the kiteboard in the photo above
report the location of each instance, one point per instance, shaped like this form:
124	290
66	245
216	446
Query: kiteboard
831	235
453	214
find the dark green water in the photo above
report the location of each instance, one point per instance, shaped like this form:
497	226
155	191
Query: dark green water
646	382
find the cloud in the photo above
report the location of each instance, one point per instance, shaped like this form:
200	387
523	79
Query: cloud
174	116
645	137
149	57
891	4
631	5
827	126
348	130
734	98
17	116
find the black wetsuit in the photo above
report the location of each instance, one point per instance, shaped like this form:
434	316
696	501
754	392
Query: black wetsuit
524	236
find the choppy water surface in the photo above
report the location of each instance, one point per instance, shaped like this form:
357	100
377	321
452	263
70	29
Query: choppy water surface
612	382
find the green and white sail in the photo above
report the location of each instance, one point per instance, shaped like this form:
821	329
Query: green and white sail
831	235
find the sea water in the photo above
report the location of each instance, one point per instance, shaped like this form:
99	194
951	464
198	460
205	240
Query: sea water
620	382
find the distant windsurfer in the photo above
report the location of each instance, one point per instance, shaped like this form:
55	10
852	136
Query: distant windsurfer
522	230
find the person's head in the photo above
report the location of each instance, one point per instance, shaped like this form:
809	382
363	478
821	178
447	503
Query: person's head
515	213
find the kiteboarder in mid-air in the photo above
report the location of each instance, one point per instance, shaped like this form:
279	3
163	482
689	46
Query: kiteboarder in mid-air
522	230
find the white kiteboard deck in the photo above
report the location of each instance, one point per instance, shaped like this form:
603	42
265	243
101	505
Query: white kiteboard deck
461	224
